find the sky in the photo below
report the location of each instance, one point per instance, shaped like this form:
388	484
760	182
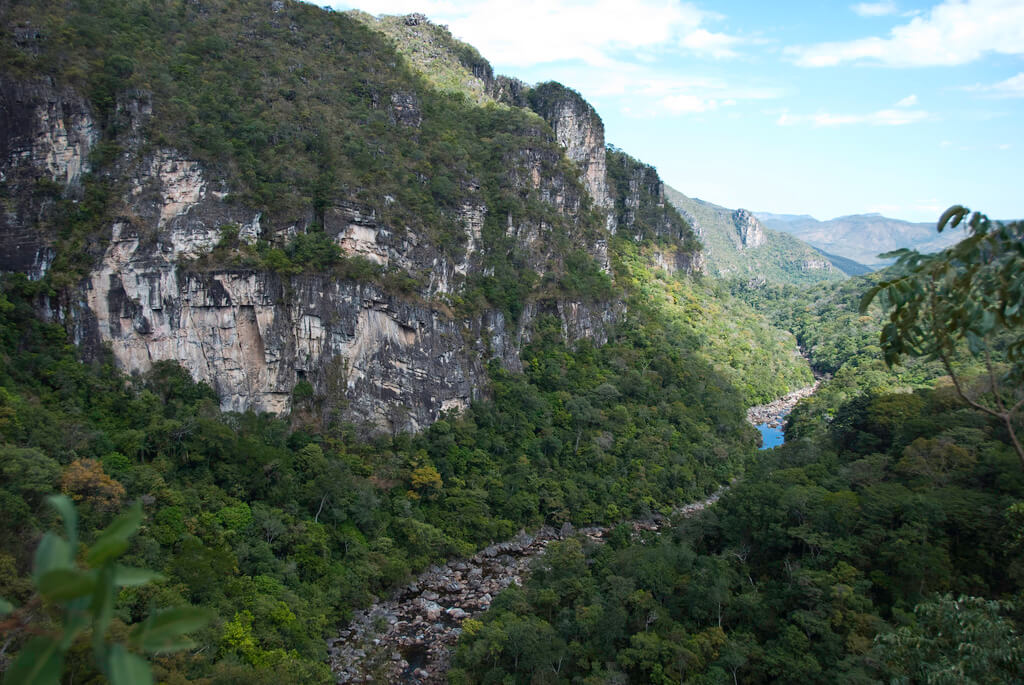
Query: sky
820	108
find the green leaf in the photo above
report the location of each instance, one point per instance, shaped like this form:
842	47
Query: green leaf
53	552
66	508
76	622
5	607
104	550
102	606
163	631
127	576
956	213
62	584
113	542
127	668
869	296
39	662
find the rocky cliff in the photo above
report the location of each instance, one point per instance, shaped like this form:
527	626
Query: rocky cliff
580	132
46	135
181	260
750	231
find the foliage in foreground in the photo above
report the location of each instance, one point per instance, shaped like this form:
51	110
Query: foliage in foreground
972	292
82	601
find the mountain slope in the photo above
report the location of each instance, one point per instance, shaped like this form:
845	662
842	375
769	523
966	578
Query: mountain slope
847	266
737	245
862	237
275	197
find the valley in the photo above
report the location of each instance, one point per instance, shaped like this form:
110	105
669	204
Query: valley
328	354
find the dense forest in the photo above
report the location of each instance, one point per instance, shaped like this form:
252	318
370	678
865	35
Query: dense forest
881	543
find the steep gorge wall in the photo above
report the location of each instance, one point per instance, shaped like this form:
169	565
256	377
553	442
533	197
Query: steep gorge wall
46	134
393	357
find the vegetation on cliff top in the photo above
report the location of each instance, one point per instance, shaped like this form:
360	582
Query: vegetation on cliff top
297	109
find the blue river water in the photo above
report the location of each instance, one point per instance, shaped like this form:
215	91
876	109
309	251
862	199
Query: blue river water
770	437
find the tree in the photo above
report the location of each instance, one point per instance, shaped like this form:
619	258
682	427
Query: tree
971	292
966	640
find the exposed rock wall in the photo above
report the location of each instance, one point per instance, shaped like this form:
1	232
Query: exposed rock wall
816	265
579	131
750	230
395	360
641	212
46	135
394	357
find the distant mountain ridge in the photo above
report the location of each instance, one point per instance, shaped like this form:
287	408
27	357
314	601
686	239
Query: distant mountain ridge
737	244
861	237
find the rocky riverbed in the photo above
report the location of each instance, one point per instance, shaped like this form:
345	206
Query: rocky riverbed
774	413
409	637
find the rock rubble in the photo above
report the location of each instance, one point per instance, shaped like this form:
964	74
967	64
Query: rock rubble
774	413
410	637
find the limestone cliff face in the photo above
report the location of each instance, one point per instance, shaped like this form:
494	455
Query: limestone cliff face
395	360
393	349
46	135
750	230
579	131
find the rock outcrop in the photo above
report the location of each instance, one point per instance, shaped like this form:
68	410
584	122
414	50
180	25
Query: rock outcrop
750	230
393	360
816	265
46	135
580	132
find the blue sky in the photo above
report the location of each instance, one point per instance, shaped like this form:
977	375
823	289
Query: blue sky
824	108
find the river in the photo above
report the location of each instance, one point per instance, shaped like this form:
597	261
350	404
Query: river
770	419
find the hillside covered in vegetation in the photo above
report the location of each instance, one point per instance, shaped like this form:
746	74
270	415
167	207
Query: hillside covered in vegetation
881	543
739	247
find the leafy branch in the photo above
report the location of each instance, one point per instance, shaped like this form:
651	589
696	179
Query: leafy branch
971	292
85	598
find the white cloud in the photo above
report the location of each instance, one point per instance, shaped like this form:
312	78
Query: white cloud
704	42
695	98
883	117
1012	87
533	32
908	101
953	32
875	9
